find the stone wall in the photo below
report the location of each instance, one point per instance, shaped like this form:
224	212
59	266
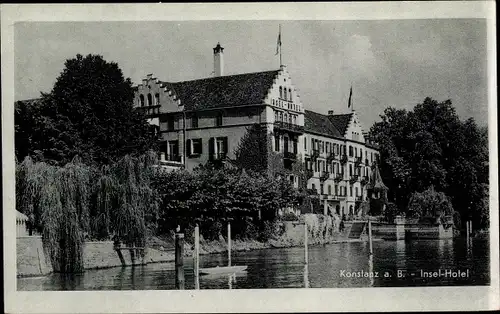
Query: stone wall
31	260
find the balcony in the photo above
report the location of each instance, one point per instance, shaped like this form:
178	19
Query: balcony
290	156
288	127
339	177
353	179
324	176
357	161
331	156
315	154
150	110
343	159
218	156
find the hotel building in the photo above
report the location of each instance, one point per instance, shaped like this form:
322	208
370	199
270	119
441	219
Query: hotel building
204	120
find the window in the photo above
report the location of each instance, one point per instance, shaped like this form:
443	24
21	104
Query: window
173	151
141	99
305	143
276	116
170	123
281	92
313	187
295	150
285	117
356	151
281	116
218	119
336	189
329	190
277	143
350	190
350	151
196	146
157	99
356	191
218	148
290	119
194	121
321	188
285	94
290	94
350	170
150	100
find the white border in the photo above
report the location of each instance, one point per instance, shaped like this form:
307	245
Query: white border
279	300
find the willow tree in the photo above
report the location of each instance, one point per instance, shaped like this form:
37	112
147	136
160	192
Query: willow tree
56	200
126	205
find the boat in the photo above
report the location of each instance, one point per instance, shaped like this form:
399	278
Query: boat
222	270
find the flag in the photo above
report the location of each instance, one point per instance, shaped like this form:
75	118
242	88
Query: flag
278	45
350	96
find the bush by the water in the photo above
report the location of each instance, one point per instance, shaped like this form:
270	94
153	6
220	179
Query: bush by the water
210	196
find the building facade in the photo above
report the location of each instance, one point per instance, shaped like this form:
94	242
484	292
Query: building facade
204	120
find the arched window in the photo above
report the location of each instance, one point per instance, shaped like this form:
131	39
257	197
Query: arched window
281	116
150	100
285	96
141	98
281	92
290	94
285	117
290	119
157	99
313	187
329	190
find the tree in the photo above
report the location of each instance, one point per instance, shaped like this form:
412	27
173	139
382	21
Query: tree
429	204
253	149
431	146
89	112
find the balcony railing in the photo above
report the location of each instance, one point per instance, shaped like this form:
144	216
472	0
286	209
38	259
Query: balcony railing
331	156
339	177
324	176
343	159
357	161
150	110
218	156
285	126
354	178
290	155
315	154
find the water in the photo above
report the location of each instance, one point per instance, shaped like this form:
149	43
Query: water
329	266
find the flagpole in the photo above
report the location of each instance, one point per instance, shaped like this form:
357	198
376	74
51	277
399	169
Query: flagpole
281	63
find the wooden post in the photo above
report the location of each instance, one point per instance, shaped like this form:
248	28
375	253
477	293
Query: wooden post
196	257
179	261
228	244
370	236
467	230
306	253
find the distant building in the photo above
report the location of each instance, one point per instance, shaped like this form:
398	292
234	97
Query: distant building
204	120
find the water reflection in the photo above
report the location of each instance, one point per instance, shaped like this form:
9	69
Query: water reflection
283	268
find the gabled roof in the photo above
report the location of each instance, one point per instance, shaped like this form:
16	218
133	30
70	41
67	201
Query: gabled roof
319	123
341	121
223	91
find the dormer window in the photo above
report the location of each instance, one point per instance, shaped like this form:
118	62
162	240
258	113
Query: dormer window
150	100
141	100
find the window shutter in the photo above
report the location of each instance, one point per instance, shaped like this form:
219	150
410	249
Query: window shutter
225	145
188	147
211	146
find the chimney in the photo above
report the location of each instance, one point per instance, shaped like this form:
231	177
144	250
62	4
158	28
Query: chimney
330	112
218	60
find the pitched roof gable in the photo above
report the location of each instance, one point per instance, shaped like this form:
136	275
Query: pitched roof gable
341	121
223	91
319	123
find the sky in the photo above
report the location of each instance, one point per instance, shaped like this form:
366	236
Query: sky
387	62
